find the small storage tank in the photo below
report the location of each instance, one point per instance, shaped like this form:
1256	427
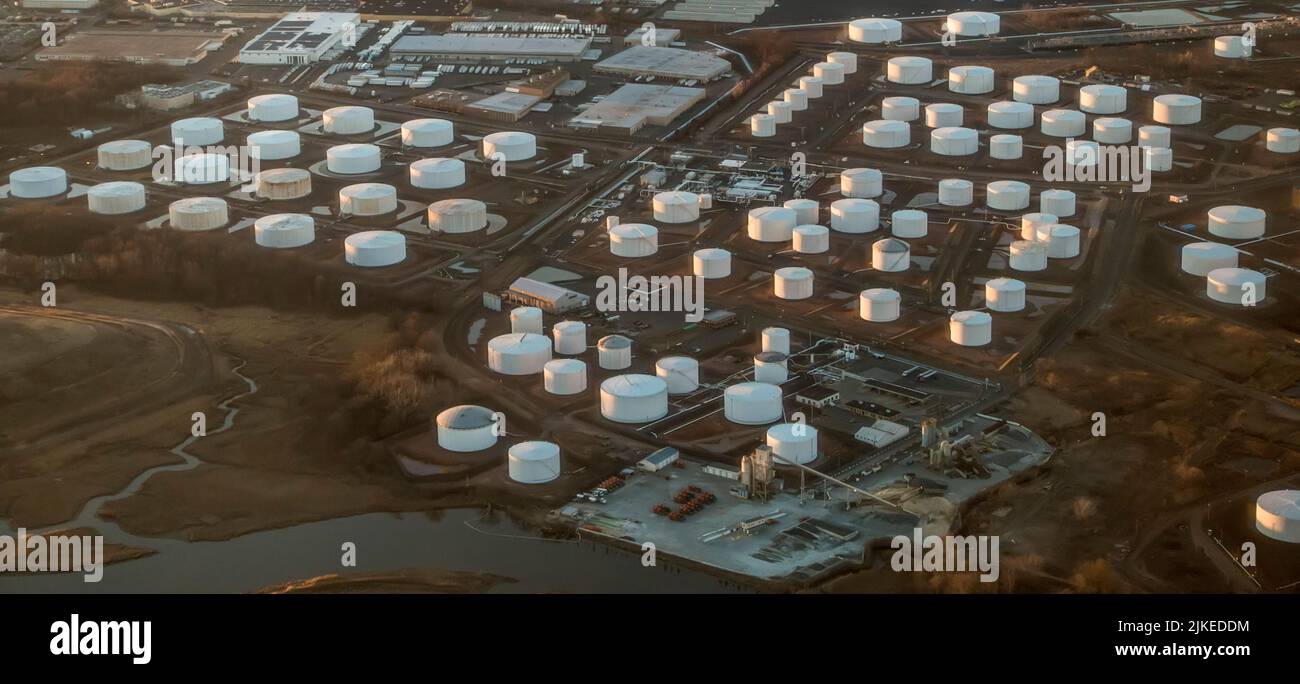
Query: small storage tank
526	319
274	145
943	115
793	443
1063	123
793	282
512	145
956	192
680	373
970	328
909	223
1178	110
805	210
201	169
437	173
782	110
1004	294
829	72
198	213
875	31
1103	99
457	216
1232	47
811	85
125	155
633	240
272	108
375	248
909	70
762	125
533	462
1158	159
753	403
1060	203
1082	152
1028	255
284	231
1199	258
954	141
1030	223
1004	146
812	239
466	428
116	197
1062	240
1277	515
1154	136
890	255
519	353
614	352
197	131
570	337
352	158
1282	140
848	60
564	376
349	120
973	23
711	263
775	339
770	367
428	133
633	398
796	98
861	183
1036	89
879	305
1112	131
1010	115
970	80
367	199
886	134
283	184
1236	222
1230	285
855	215
676	207
771	224
899	108
1007	195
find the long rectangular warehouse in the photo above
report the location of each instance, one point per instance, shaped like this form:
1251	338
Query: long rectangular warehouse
471	47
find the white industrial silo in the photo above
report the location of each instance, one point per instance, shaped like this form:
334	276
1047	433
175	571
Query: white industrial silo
428	133
1158	158
352	158
829	72
812	239
954	141
676	207
1063	123
198	213
1237	222
284	231
1178	110
349	120
1059	203
972	24
970	328
1010	115
633	240
861	183
116	197
511	145
680	373
793	282
771	224
762	125
1277	515
909	223
125	155
274	145
1082	153
711	262
771	367
1004	294
375	248
367	199
900	108
1232	47
1103	99
781	110
1282	140
526	319
1154	136
1028	255
805	210
1062	240
437	173
1112	131
1233	285
752	403
890	255
564	376
1007	195
886	134
614	352
793	443
879	305
197	131
201	169
273	107
943	115
909	70
875	31
1036	89
457	216
1199	258
812	86
1006	146
956	192
519	353
775	339
283	184
796	98
633	398
1030	223
533	462
854	215
570	337
466	428
970	80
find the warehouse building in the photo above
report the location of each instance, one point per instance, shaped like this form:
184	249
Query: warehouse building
60	4
301	38
635	105
473	47
665	62
545	296
168	48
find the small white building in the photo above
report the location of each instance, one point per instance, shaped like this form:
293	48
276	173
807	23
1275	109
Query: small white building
658	460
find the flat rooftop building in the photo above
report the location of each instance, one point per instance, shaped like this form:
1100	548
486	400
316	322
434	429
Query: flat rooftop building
170	48
665	62
473	47
545	296
635	105
504	106
301	38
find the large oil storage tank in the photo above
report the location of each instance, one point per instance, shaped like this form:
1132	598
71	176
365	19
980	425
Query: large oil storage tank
1062	240
283	184
970	80
1036	89
1277	515
1004	294
437	173
348	120
782	110
1030	223
272	108
457	216
954	141
284	231
533	462
805	210
274	145
512	145
1232	286
812	239
352	158
973	23
633	240
428	133
956	192
811	85
910	70
375	248
200	169
771	224
861	183
829	72
564	376
1005	146
848	60
1178	110
633	398
793	282
1232	47
1199	258
1103	99
793	443
1112	131
466	428
1010	115
909	223
771	367
886	134
367	199
1028	255
1158	159
970	328
762	125
1282	140
614	352
676	207
570	337
943	115
890	255
875	31
1060	203
879	305
1007	195
680	373
796	98
1154	136
197	131
116	197
1063	123
1082	152
752	403
526	319
198	213
775	339
711	262
1236	222
125	155
519	353
854	215
900	108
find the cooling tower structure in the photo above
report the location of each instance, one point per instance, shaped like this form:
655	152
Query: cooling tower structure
428	133
1059	203
1158	159
954	141
829	72
526	319
466	428
796	98
1112	131
972	24
775	340
570	337
680	373
879	305
284	231
533	462
1236	222
970	328
1282	140
1277	515
762	125
437	173
861	183
793	443
283	184
633	398
771	224
970	80
1030	223
890	255
124	155
711	263
1199	258
1062	240
198	213
511	145
1176	110
352	159
1007	195
805	210
632	240
1103	99
909	70
1232	47
848	60
274	145
886	134
770	367
564	376
943	115
273	108
781	111
1239	286
752	403
1028	255
1063	123
457	216
855	215
956	192
201	169
1154	136
812	239
116	197
676	207
1010	115
1004	295
614	352
348	120
1004	146
811	85
367	199
899	108
519	353
793	283
197	131
875	31
1036	89
375	248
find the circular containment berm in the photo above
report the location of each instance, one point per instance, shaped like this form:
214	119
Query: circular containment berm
511	145
375	248
564	376
1277	515
633	398
753	403
272	108
198	213
428	133
970	328
793	443
367	199
533	462
348	120
116	197
283	184
879	305
436	173
457	216
681	373
284	231
614	352
519	353
466	428
38	182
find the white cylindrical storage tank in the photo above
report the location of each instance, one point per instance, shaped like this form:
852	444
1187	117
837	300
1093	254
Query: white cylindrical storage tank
943	115
1277	515
1154	136
283	184
564	376
1178	110
1199	258
349	120
753	403
1036	89
909	223
811	85
614	352
805	210
855	215
197	131
875	31
970	80
1010	115
900	108
512	145
771	224
954	141
274	107
1232	47
879	305
974	23
1030	223
1103	99
1231	285
1062	240
680	373
1158	158
1059	203
812	239
770	367
428	133
1282	140
970	328
526	319
1237	222
533	462
610	222
125	155
829	72
1005	146
633	398
367	199
1063	123
1112	131
1028	255
711	263
375	248
570	337
890	255
1082	152
519	353
198	213
633	240
848	60
793	443
793	282
274	145
284	231
861	183
775	339
437	173
352	158
762	125
1007	195
956	192
886	134
466	428
796	98
706	201
116	197
1004	294
909	70
200	169
457	216
676	207
781	110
